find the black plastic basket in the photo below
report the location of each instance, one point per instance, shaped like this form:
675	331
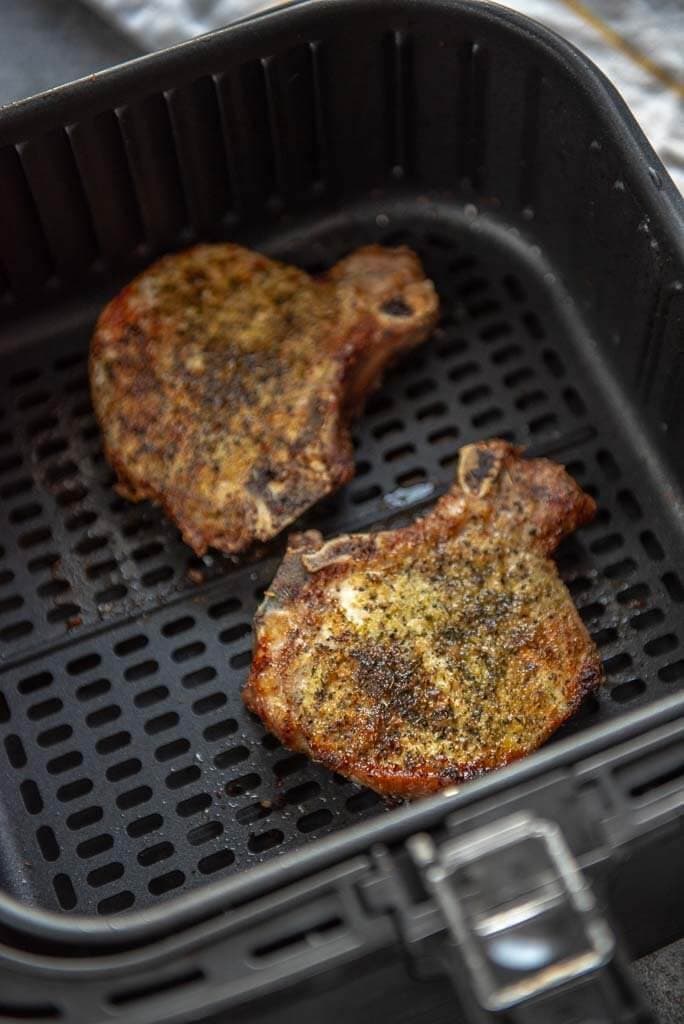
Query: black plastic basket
132	776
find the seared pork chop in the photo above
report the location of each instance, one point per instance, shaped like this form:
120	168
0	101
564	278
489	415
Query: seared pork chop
224	382
414	658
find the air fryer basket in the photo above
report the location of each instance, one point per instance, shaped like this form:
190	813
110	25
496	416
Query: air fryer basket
130	768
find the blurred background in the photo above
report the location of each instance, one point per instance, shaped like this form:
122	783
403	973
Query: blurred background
639	44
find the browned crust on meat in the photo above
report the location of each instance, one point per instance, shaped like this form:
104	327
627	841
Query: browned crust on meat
224	382
414	659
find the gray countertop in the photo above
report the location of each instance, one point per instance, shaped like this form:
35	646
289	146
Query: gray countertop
44	43
48	42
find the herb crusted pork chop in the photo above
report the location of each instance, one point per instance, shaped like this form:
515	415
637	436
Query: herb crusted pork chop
224	382
414	658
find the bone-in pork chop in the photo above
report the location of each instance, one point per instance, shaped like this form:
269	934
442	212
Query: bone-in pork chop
411	659
224	382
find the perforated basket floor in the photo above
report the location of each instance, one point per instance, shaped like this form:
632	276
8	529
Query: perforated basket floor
131	768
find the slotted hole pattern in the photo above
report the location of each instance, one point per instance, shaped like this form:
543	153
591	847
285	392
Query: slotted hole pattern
138	733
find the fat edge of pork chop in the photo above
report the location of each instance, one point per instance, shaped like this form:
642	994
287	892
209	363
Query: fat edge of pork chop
416	658
224	382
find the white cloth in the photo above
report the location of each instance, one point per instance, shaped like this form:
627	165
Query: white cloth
616	34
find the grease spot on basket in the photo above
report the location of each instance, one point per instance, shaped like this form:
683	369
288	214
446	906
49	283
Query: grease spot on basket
403	496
